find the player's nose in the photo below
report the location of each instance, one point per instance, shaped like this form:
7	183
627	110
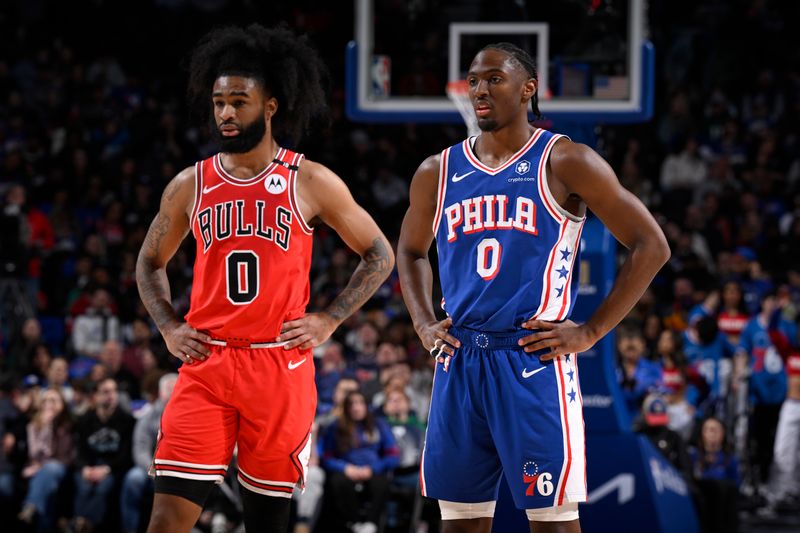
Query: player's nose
481	88
227	112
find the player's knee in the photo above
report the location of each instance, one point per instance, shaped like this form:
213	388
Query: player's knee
466	511
165	519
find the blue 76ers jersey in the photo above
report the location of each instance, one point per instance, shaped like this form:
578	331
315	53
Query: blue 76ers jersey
507	251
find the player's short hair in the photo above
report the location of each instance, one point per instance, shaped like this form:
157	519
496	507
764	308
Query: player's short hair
285	65
524	60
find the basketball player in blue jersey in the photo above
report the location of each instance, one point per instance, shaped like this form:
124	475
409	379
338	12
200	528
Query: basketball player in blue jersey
507	208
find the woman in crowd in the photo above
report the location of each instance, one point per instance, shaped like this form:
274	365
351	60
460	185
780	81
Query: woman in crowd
357	452
716	472
50	452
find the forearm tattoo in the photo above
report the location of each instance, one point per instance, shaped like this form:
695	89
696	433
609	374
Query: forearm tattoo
374	268
152	282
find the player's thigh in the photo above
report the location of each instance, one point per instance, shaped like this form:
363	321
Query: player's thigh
276	406
541	445
467	517
460	461
198	433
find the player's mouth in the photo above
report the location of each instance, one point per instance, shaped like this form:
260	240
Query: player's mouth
229	131
482	109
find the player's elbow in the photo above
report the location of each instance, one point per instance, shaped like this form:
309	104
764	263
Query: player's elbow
661	246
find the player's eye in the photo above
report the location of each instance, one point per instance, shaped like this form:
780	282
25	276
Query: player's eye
472	82
496	79
218	104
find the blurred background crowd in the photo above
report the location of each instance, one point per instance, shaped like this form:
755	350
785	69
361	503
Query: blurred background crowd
93	124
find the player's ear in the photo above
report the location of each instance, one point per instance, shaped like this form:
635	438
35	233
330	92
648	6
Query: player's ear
529	89
270	107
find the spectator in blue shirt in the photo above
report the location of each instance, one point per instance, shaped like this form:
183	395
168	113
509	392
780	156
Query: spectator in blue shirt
716	473
358	451
636	374
758	355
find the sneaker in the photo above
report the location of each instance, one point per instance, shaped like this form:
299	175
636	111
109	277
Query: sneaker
28	514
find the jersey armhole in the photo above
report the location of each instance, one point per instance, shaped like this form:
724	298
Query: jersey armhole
550	204
198	193
293	195
441	190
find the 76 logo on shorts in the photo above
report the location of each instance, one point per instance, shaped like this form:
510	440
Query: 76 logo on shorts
538	483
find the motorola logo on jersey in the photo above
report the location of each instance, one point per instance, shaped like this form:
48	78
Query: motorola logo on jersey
218	223
539	483
275	183
490	212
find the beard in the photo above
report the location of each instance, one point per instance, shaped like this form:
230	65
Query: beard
487	124
249	136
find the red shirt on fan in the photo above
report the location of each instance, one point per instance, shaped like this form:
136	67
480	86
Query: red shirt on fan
253	251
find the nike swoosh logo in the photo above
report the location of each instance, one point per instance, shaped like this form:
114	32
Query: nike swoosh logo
456	177
207	190
526	374
293	365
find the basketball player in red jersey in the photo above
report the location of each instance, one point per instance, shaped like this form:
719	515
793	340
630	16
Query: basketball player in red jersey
248	377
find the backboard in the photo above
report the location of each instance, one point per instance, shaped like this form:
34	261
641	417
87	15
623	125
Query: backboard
595	64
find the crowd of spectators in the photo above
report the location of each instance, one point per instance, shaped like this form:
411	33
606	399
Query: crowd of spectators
90	135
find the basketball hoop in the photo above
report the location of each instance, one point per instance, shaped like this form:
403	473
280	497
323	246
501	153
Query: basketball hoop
458	93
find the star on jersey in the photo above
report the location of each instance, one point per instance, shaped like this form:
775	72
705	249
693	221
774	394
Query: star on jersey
565	253
562	272
559	290
571	396
571	375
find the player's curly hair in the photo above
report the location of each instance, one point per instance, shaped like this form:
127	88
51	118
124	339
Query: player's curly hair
525	61
285	64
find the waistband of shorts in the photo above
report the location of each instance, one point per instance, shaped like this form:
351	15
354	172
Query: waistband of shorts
246	343
490	340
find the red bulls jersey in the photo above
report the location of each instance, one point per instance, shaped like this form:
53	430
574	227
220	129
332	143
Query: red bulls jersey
253	251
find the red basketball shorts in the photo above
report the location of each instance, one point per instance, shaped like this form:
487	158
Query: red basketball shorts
262	400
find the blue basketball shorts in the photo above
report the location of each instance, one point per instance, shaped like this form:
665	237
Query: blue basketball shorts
499	410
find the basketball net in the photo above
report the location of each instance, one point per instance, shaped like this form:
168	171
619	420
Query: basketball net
458	93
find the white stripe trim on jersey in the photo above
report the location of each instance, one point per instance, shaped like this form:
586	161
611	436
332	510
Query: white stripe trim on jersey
473	157
544	299
265	492
233	180
554	208
441	189
216	478
583	424
188	465
293	174
575	483
198	193
564	435
289	484
422	484
567	296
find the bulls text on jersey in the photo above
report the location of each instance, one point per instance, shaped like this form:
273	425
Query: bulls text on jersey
490	212
222	220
